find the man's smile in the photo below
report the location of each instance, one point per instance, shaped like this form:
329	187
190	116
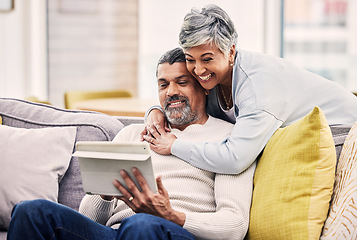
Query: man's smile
174	104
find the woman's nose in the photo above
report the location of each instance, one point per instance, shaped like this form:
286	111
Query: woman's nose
199	69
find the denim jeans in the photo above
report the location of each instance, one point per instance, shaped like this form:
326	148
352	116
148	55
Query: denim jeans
42	219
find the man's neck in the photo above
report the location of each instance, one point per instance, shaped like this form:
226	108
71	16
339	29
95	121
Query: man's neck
201	120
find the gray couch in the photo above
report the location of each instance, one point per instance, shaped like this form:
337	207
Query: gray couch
90	127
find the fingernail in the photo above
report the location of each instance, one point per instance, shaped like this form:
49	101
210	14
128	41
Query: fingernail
122	172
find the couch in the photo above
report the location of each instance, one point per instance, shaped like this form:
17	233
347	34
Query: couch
90	126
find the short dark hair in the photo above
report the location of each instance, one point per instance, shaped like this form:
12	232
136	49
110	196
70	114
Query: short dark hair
171	57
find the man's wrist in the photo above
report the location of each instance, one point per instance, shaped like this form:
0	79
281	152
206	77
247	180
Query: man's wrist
178	218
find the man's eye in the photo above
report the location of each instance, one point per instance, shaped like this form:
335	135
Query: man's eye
164	85
183	83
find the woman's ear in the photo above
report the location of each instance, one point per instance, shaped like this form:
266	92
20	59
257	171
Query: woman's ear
232	53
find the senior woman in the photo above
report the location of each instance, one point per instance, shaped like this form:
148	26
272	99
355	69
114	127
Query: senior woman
256	92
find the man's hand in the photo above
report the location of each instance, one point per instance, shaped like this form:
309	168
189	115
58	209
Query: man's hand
155	118
160	141
157	204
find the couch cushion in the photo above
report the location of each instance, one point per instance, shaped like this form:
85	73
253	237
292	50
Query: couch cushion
342	218
33	162
293	181
90	126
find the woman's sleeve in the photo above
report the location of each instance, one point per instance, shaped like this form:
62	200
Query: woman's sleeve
233	195
233	155
150	109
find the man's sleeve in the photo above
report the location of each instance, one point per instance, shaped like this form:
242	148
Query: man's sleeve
96	208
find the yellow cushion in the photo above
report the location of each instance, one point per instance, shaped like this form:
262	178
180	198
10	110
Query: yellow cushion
342	218
293	181
0	120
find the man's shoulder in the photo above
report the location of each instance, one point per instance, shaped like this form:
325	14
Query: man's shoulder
217	128
130	133
218	122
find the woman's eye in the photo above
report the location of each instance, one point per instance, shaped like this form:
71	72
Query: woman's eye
189	60
207	59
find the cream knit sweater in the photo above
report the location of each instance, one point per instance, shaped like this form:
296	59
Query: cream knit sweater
216	206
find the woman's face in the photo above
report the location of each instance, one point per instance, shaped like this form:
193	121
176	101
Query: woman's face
209	65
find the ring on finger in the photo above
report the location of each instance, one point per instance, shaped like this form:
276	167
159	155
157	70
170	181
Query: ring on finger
152	140
130	199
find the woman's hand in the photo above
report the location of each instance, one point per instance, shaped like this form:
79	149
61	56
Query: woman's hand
155	118
146	201
160	141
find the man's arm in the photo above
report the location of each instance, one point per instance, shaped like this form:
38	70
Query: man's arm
146	201
96	208
233	194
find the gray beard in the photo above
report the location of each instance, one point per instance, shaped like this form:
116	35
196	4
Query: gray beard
181	115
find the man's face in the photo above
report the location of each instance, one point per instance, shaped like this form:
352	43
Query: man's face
181	97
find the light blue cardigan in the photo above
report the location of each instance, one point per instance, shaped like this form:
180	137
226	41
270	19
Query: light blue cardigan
268	93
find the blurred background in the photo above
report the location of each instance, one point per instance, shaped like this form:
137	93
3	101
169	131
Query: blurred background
49	47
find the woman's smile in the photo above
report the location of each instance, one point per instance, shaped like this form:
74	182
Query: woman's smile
205	78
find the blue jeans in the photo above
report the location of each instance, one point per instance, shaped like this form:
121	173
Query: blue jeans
42	219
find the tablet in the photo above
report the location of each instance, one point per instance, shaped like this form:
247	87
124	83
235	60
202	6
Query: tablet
100	163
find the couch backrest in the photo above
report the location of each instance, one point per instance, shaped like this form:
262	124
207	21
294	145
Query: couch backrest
90	126
339	133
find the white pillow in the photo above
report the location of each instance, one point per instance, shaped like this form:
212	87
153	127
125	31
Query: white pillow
32	163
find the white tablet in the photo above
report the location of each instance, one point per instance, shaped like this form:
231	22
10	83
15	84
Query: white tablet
100	163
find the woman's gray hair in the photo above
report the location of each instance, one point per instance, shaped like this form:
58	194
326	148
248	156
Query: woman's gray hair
210	25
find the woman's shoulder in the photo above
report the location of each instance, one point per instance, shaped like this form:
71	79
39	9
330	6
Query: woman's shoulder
255	64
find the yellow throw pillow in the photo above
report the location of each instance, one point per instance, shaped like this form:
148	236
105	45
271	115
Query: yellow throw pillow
293	181
342	218
0	120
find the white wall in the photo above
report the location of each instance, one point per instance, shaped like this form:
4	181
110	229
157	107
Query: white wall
23	50
160	22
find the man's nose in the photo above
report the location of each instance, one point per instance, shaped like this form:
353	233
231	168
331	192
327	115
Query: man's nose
172	90
199	69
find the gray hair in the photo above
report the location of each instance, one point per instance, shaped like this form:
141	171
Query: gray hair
210	25
172	56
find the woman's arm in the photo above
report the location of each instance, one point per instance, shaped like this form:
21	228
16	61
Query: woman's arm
154	117
231	156
233	195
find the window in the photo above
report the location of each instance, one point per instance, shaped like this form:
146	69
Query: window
321	36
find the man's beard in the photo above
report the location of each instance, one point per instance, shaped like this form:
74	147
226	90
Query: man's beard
179	115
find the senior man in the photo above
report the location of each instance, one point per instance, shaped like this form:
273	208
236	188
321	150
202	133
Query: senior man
190	203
